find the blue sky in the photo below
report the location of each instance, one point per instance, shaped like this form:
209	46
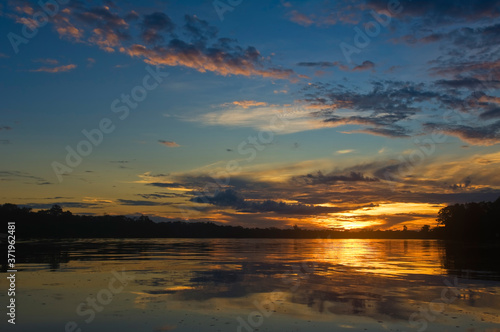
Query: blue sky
343	114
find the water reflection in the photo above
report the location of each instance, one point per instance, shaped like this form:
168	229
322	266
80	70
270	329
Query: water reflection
328	283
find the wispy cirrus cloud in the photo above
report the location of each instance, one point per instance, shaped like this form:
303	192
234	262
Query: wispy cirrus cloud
20	175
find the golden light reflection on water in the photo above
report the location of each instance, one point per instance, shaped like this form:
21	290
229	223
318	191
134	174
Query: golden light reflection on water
206	284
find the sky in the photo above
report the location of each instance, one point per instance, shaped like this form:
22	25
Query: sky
322	114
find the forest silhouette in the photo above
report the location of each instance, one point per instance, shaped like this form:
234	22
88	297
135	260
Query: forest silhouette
463	222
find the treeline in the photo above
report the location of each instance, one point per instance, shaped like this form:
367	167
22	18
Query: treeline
462	222
471	221
56	223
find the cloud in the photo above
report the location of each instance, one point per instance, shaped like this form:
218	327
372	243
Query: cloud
4	56
140	202
321	64
327	13
344	151
281	121
153	25
199	30
245	62
119	161
64	205
463	82
320	178
366	65
443	11
170	144
491	114
59	69
477	135
194	45
395	132
249	103
229	198
397	109
47	61
161	195
4	141
166	185
5	128
301	19
19	175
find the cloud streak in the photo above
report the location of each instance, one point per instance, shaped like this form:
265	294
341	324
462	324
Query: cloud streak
170	144
60	69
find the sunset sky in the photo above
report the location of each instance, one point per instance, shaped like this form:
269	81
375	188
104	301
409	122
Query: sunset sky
342	114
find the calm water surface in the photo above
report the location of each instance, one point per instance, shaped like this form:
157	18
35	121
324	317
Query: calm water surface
255	284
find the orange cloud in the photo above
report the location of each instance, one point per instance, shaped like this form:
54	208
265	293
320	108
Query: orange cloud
220	62
59	69
249	103
301	19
